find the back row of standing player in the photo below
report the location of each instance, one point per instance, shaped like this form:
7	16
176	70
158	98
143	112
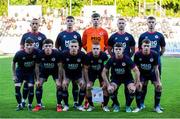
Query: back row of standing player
91	38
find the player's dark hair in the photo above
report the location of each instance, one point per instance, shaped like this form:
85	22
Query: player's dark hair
147	41
74	41
95	15
29	40
70	17
35	19
47	41
121	19
118	45
151	18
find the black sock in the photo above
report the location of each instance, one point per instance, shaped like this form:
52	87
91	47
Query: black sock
138	99
39	92
90	101
59	95
18	94
114	98
157	98
82	94
65	96
25	90
126	92
130	99
144	91
75	91
31	94
106	100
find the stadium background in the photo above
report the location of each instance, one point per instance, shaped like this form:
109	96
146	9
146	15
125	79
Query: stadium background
15	20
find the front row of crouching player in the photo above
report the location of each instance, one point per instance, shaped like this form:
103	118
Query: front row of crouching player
32	65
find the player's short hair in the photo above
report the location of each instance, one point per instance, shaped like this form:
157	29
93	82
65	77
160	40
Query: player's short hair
121	19
95	43
147	41
95	15
47	41
29	40
35	19
151	18
118	45
74	41
69	17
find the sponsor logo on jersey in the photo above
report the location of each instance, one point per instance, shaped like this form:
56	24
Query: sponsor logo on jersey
126	38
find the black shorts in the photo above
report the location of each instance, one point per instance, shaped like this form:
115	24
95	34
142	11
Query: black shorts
118	82
152	78
74	77
94	76
46	73
25	76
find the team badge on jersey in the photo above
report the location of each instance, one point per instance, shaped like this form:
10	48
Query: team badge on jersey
151	59
101	33
99	61
91	61
78	60
43	59
140	59
116	38
67	59
156	36
126	38
39	38
75	36
53	59
114	63
24	58
123	64
146	37
34	56
64	36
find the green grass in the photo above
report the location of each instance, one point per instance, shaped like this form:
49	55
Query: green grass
170	97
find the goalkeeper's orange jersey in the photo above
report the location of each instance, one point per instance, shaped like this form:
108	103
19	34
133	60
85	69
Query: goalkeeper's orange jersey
94	35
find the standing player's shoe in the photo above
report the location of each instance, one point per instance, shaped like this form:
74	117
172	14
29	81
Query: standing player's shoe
142	106
66	108
19	107
91	108
116	108
86	104
59	108
23	104
136	110
81	108
29	107
128	109
75	105
37	108
158	109
106	109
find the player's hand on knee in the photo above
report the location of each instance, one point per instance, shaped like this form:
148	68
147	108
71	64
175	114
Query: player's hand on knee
138	86
82	84
89	85
65	84
58	84
131	88
158	86
110	89
38	83
104	85
15	78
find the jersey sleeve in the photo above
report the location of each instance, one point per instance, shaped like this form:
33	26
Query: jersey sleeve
84	40
79	40
23	40
162	41
156	59
108	64
136	58
140	41
132	41
110	41
130	63
105	39
57	42
16	57
87	60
